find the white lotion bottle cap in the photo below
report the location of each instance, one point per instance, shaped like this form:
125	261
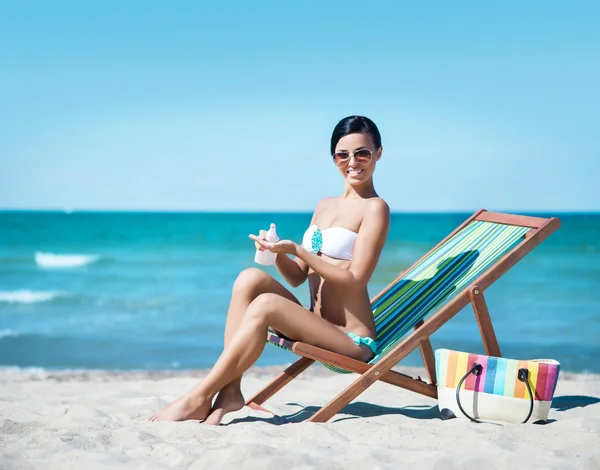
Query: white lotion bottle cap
272	234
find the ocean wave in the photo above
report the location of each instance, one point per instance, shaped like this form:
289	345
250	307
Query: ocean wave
8	333
25	296
52	260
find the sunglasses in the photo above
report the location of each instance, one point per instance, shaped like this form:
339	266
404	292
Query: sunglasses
362	156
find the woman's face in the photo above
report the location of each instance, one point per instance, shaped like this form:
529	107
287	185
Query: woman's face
352	157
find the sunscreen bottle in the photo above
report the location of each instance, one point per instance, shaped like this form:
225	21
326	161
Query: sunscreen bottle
266	257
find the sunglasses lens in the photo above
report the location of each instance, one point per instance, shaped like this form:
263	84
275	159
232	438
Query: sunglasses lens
363	156
341	158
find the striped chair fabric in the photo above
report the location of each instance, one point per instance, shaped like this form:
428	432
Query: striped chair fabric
435	281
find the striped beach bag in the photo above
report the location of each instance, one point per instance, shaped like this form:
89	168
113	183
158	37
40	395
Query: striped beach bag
491	388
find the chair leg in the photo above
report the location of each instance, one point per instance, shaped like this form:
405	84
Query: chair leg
482	314
345	397
280	381
428	356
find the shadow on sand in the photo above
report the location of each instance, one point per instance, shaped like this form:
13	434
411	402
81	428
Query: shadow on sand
369	410
356	410
568	402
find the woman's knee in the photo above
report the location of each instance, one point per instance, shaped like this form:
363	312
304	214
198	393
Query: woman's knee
263	307
250	280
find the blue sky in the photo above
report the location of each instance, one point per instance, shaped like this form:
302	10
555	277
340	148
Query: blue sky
230	105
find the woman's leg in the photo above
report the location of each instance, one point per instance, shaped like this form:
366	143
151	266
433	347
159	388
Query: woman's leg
249	284
248	343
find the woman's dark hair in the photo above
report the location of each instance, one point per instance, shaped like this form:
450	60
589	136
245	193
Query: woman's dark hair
355	125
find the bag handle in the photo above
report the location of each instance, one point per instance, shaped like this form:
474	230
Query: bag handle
476	370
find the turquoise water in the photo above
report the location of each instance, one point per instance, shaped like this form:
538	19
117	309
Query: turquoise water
151	290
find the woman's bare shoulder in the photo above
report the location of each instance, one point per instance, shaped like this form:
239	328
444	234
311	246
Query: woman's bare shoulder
377	206
324	206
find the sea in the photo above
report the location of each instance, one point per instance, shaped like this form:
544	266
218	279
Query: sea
150	291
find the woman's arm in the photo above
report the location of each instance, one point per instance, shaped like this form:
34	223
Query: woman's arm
294	271
371	238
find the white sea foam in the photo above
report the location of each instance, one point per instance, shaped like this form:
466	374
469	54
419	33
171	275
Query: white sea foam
8	333
25	296
51	260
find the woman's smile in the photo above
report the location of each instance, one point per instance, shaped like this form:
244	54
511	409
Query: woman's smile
355	171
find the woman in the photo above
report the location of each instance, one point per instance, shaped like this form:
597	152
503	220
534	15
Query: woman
338	254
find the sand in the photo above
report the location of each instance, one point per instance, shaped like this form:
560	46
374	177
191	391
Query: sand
97	419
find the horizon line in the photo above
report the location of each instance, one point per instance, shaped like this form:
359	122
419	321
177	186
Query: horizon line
257	211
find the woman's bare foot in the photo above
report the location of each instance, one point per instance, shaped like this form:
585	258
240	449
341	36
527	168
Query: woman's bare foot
184	408
227	401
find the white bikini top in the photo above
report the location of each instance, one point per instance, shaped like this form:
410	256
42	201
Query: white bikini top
335	242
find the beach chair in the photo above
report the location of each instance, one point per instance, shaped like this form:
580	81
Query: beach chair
422	299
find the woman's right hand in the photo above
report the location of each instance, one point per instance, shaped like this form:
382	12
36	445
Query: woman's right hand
263	236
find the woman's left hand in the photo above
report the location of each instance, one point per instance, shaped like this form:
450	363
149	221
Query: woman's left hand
282	246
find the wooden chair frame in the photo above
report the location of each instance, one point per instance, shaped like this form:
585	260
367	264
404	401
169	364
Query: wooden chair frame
540	229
